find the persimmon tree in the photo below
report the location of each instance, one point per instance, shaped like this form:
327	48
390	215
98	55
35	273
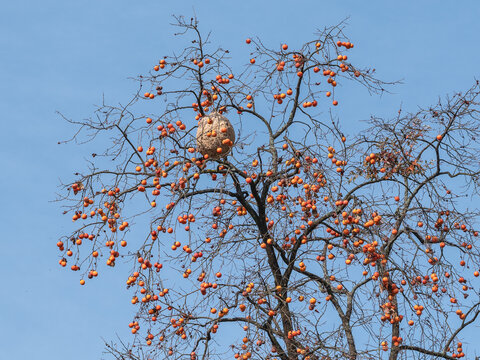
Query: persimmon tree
298	238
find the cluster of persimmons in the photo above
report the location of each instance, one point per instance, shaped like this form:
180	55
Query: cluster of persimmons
301	209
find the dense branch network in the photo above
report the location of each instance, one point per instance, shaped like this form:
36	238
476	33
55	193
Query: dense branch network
302	243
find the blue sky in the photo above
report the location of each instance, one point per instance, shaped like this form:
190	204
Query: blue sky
65	55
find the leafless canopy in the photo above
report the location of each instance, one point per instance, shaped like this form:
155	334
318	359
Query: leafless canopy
303	242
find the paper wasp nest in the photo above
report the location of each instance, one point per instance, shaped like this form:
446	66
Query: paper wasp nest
215	135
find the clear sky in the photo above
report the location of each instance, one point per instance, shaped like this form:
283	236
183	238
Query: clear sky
65	55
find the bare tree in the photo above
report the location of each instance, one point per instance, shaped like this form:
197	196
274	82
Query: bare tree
292	241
